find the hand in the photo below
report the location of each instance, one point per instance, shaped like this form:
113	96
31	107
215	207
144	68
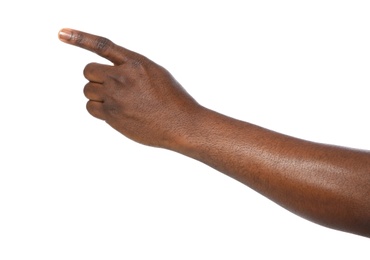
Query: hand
323	183
135	96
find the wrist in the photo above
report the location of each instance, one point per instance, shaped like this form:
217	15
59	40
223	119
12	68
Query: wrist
190	132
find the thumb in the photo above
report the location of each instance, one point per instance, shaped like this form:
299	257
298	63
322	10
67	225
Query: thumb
99	45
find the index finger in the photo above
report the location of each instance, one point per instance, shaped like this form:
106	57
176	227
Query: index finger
97	44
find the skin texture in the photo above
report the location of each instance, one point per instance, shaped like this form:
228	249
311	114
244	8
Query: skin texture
326	184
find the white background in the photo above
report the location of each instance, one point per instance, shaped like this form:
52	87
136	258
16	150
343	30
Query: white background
71	187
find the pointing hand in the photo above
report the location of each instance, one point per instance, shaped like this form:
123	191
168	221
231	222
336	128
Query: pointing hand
135	96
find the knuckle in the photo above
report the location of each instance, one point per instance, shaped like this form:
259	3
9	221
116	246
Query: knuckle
138	62
88	70
77	37
111	109
86	89
102	44
94	110
91	108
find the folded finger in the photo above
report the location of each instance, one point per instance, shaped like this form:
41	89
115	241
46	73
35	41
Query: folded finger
95	109
94	91
96	72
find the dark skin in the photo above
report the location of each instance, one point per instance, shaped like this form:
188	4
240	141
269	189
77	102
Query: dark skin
326	184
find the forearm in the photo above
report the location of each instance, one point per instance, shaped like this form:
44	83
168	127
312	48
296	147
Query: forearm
326	184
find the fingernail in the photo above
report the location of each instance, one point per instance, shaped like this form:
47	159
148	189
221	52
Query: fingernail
65	34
